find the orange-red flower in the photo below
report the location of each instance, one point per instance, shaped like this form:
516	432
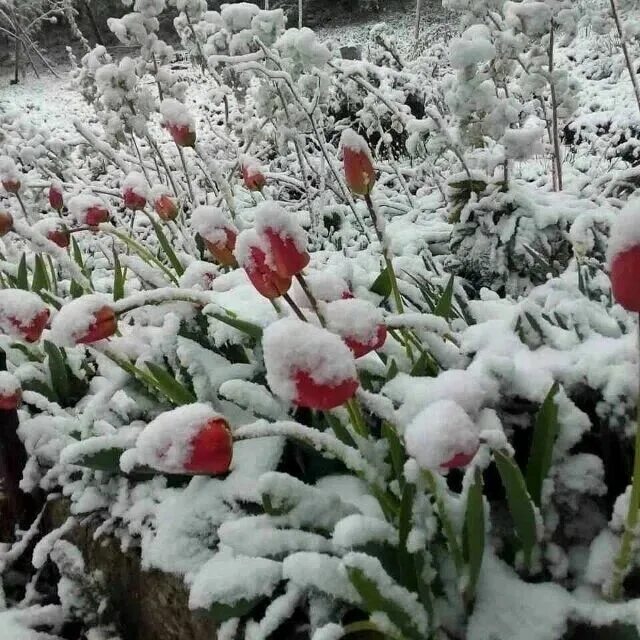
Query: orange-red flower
31	330
252	175
166	207
56	197
625	278
322	397
358	167
103	325
6	223
211	449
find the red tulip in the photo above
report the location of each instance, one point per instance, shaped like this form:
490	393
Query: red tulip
285	238
360	349
11	185
166	207
133	200
56	197
625	274
6	223
223	251
460	460
308	365
103	325
30	331
211	449
322	397
10	401
182	135
253	177
358	167
95	215
60	236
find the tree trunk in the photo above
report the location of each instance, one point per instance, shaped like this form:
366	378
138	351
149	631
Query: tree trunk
416	32
16	75
299	14
94	24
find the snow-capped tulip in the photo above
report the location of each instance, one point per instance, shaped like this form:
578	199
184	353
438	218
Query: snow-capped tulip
252	174
286	239
211	449
192	438
358	322
9	175
308	366
624	257
442	436
251	254
217	232
165	205
23	314
358	166
103	325
88	210
54	230
10	391
6	223
178	122
135	191
84	320
56	197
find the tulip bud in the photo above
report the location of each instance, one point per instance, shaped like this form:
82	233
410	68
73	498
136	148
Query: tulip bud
9	175
286	239
251	254
23	314
10	391
164	204
217	232
179	122
358	322
56	197
442	436
308	366
252	174
6	223
623	256
54	230
135	191
85	320
88	210
190	439
358	166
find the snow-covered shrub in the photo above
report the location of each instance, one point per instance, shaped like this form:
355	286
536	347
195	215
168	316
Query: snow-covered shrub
323	382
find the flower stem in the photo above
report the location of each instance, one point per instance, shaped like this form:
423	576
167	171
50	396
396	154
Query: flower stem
295	307
623	559
312	299
22	206
186	171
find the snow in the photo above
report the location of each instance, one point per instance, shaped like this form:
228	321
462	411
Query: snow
440	432
9	384
353	318
271	217
19	305
79	205
291	345
75	318
136	183
228	580
353	141
357	531
177	114
210	223
625	231
165	443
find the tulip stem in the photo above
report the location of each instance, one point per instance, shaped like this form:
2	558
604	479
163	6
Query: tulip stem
22	206
312	299
378	225
623	559
295	307
186	171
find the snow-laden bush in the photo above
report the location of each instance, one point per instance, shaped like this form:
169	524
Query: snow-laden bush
330	380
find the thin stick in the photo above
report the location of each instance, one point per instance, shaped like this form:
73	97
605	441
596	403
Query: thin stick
625	49
557	154
295	307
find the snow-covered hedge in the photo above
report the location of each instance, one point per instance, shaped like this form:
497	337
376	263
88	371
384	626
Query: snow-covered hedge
334	340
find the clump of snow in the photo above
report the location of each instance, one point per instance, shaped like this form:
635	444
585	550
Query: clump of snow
9	384
472	48
353	141
136	183
358	530
625	231
324	286
176	114
18	305
246	242
354	318
75	318
8	169
165	443
270	216
291	345
79	205
210	223
440	432
228	580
